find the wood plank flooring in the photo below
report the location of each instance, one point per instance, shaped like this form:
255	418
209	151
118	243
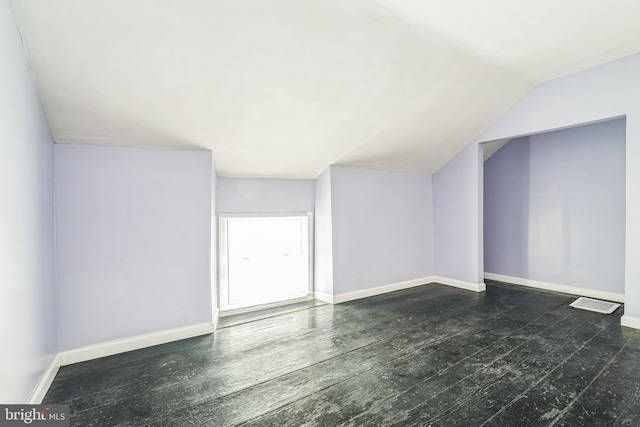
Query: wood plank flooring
427	356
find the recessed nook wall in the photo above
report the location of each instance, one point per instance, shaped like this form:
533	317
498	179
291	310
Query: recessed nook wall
609	91
554	207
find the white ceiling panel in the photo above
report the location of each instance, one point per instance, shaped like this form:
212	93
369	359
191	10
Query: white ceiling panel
284	88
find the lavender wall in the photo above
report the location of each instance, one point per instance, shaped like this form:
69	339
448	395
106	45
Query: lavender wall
382	228
608	91
214	238
265	195
457	220
133	241
323	239
555	207
27	276
506	210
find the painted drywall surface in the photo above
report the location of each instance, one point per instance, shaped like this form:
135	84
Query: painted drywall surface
480	209
555	207
27	273
610	90
214	237
323	235
309	84
133	241
604	92
456	220
506	210
382	228
265	195
632	224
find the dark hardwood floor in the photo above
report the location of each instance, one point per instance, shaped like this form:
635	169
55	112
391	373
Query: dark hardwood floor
431	355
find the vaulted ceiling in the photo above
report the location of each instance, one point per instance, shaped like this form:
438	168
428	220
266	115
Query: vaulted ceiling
284	88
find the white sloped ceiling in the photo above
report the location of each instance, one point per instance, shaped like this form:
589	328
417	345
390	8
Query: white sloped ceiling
284	88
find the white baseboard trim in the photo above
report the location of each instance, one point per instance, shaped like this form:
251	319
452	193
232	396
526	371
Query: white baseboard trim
469	286
110	348
45	382
379	290
324	297
630	322
567	289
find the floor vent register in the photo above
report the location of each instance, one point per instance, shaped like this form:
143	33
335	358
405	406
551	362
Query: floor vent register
596	305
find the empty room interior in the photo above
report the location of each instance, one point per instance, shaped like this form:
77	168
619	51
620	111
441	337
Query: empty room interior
286	213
